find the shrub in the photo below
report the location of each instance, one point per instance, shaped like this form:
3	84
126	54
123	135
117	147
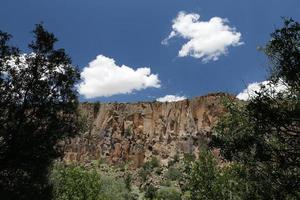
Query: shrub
113	189
128	180
159	170
143	174
168	193
78	183
173	174
166	183
150	192
151	164
148	167
75	183
154	162
186	195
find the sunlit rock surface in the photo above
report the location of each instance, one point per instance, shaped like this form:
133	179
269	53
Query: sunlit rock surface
135	132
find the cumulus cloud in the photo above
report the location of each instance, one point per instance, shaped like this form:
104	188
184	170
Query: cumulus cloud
250	91
207	40
103	78
171	98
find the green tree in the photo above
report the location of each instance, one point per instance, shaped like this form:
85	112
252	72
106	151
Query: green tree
202	177
75	183
209	180
79	183
38	106
263	135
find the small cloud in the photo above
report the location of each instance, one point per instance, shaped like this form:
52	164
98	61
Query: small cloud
252	89
103	78
171	98
207	40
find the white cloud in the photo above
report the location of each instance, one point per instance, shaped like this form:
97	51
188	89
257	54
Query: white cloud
103	77
207	40
250	91
171	98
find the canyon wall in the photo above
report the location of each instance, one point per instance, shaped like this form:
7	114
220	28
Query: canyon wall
135	132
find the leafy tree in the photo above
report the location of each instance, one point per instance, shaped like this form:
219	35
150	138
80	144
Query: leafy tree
209	180
75	183
38	106
202	177
283	50
263	134
79	183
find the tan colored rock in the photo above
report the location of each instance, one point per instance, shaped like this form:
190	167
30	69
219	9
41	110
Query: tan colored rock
136	131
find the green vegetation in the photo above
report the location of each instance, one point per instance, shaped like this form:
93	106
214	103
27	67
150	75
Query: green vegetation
259	139
168	193
262	136
150	192
153	163
76	182
38	106
210	180
149	167
173	174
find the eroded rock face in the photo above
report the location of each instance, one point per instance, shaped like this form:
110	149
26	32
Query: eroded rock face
137	131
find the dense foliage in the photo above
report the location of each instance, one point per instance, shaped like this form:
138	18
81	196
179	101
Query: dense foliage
263	134
168	193
38	106
209	179
78	183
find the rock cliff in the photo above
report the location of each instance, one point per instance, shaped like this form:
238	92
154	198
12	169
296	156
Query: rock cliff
135	132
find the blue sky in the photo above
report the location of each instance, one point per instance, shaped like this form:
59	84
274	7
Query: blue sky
131	31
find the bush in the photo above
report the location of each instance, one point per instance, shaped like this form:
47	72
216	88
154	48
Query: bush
150	192
173	174
78	183
143	174
168	193
151	164
148	167
75	183
159	170
166	183
113	189
128	180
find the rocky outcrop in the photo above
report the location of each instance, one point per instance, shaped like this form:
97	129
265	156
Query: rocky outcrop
135	132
